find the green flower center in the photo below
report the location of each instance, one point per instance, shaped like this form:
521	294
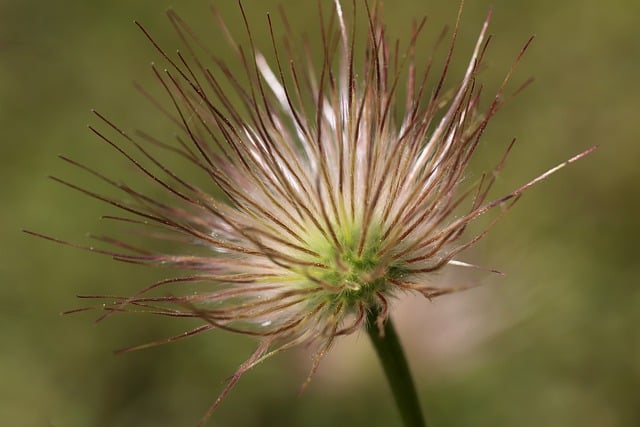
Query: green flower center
351	268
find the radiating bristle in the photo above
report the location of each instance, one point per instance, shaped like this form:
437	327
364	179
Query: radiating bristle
337	191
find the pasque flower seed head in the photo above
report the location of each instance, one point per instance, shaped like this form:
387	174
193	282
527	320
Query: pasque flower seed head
340	184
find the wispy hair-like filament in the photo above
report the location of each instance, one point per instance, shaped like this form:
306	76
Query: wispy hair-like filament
326	190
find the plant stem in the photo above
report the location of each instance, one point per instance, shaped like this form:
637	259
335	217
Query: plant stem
396	370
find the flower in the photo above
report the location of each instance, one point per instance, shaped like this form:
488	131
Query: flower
334	192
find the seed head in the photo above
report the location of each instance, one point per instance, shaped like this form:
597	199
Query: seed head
335	189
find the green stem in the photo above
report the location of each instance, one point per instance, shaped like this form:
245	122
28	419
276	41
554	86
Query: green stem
396	370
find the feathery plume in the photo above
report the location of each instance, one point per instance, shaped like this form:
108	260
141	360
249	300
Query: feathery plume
335	190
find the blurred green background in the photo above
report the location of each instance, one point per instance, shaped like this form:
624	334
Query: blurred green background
556	342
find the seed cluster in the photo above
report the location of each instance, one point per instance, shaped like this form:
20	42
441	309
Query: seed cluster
337	192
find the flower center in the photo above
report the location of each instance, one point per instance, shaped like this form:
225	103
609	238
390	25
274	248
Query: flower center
350	268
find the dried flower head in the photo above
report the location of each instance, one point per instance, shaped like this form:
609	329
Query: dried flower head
337	190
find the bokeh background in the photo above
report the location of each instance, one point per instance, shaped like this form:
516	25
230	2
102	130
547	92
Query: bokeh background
555	342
